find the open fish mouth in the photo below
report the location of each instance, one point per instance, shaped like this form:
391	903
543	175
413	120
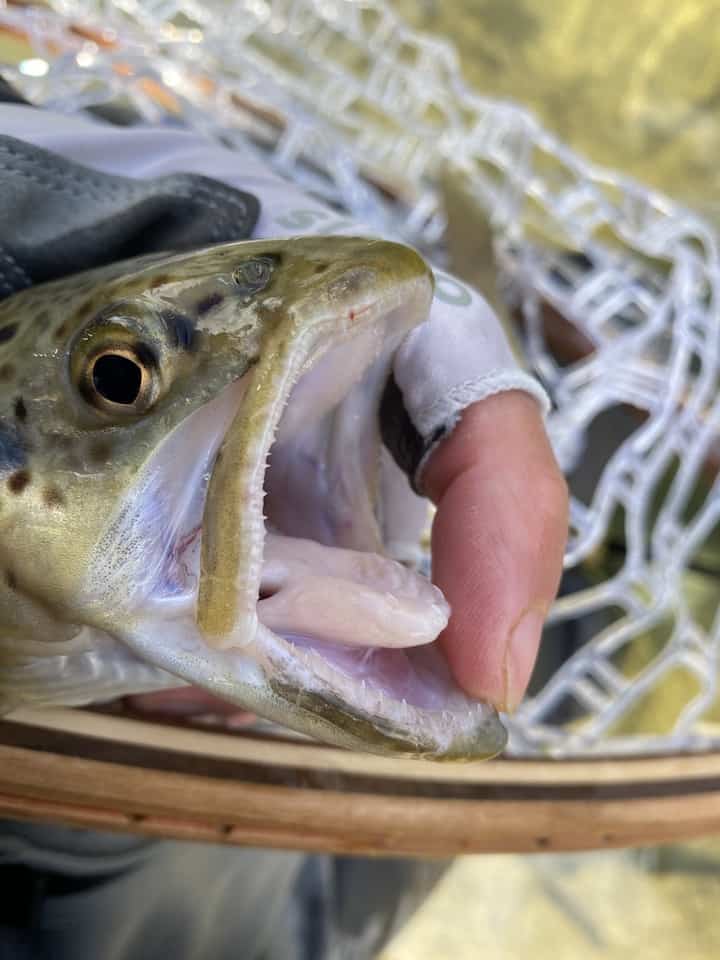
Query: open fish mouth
255	554
296	595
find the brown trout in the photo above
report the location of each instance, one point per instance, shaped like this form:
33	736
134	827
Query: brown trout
193	491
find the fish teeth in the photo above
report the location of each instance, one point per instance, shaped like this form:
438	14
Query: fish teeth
373	699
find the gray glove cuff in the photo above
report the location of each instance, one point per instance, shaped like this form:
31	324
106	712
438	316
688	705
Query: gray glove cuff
58	217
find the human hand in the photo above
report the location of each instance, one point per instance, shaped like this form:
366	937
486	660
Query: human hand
497	542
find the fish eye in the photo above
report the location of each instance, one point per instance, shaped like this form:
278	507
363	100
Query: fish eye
119	379
253	275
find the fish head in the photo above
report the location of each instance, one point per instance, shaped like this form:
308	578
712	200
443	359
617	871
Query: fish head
191	491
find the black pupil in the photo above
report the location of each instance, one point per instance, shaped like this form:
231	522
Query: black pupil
117	378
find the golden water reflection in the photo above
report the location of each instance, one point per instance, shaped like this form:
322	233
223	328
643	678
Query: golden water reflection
634	86
650	904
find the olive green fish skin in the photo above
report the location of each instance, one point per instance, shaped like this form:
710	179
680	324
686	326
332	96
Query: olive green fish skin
65	464
98	372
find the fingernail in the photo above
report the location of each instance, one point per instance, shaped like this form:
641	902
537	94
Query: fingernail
520	656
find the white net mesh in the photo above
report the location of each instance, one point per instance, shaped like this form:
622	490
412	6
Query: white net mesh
364	112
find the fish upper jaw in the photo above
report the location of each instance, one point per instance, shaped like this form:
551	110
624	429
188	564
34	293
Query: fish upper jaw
336	342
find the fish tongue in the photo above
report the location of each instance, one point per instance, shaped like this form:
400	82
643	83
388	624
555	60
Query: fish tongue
347	597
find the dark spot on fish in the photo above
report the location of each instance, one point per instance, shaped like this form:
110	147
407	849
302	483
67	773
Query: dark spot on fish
52	497
160	280
542	842
321	267
7	372
8	332
10	580
208	302
20	409
12	450
100	451
146	355
18	480
61	332
180	328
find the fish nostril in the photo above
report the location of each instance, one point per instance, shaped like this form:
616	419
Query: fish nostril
254	275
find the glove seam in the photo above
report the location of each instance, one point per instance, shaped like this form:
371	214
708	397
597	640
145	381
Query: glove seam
461	395
438	419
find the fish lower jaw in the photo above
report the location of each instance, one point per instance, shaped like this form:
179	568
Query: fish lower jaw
400	701
356	631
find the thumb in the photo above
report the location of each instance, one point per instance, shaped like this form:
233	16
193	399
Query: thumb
497	542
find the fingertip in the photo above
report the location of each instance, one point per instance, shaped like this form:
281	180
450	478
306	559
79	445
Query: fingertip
498	543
